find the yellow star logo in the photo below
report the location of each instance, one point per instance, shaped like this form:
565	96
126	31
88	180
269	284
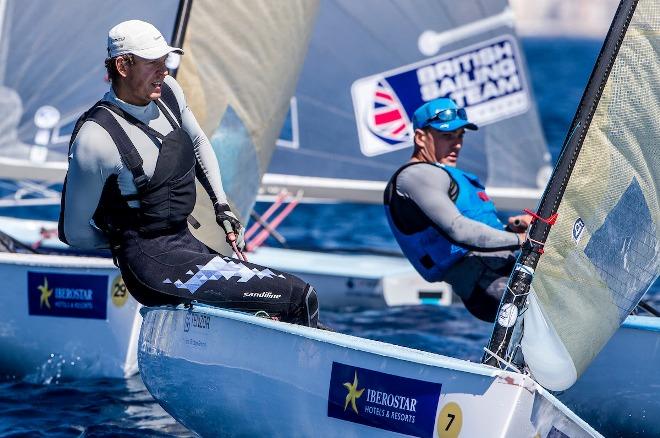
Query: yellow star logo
45	294
353	393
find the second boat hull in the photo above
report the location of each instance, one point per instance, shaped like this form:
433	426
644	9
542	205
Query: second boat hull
66	317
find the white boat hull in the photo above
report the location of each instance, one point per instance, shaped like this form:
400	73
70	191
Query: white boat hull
230	374
65	317
619	393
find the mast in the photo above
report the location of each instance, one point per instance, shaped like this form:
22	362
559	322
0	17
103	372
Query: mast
180	25
514	300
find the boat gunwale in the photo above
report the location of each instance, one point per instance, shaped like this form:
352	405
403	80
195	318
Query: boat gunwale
56	261
349	341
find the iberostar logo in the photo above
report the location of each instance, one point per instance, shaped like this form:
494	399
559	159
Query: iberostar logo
45	294
353	393
67	295
386	401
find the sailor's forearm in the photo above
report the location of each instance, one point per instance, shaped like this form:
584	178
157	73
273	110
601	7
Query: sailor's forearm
208	170
477	236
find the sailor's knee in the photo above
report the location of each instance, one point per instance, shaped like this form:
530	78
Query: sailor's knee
305	304
484	303
311	306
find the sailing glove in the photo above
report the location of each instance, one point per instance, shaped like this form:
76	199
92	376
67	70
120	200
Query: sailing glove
230	223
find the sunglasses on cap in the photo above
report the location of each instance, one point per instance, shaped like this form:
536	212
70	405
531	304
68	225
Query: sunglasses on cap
447	115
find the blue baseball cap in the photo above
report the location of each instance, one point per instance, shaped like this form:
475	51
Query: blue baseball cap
442	114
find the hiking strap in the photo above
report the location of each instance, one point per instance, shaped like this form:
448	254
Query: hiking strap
129	154
168	97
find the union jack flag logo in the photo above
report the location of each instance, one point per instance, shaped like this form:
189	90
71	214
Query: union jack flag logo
387	119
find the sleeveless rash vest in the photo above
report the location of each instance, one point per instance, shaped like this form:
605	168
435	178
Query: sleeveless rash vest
427	247
168	197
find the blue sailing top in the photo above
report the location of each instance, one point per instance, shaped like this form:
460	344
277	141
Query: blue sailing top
438	213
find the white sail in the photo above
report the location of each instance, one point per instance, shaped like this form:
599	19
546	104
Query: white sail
51	71
591	268
238	76
372	63
602	255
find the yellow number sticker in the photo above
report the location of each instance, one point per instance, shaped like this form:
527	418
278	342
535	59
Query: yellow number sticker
450	421
119	291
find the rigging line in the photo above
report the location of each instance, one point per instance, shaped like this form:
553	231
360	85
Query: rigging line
275	222
326	106
272	231
447	13
406	13
8	185
414	24
503	361
496	142
281	197
501	345
338	57
516	294
11	202
38	187
6	238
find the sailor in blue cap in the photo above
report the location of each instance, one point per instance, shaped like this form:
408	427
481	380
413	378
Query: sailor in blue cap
442	218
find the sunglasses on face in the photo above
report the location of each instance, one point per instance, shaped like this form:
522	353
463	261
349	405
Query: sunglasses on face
447	115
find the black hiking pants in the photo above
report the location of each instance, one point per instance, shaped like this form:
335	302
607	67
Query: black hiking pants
480	279
176	268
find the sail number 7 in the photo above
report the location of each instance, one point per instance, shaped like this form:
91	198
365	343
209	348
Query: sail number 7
450	421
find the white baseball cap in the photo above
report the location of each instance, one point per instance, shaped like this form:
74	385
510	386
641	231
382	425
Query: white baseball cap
139	38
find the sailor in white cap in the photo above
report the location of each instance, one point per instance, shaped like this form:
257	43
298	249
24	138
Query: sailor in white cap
133	161
137	46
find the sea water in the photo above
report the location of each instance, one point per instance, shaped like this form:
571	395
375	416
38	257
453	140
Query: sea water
45	406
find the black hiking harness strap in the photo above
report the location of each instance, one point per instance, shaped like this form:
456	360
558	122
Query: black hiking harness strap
127	151
129	154
168	97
